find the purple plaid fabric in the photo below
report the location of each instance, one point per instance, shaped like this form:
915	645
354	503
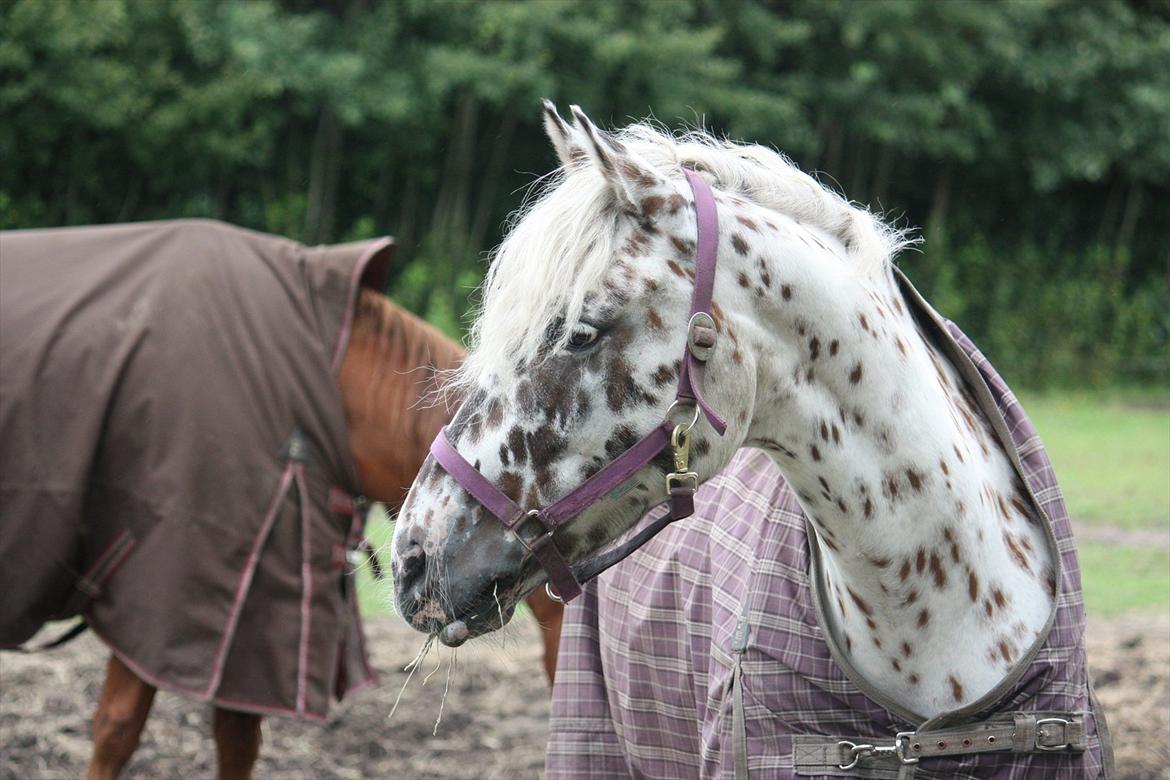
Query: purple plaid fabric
644	679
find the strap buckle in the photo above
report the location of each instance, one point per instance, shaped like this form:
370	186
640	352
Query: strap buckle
1045	738
701	336
852	752
542	537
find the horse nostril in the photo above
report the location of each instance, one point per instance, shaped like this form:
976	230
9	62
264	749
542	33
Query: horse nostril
414	563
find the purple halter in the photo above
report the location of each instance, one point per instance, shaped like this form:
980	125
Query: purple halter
680	484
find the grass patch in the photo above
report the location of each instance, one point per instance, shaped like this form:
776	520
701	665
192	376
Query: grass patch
1119	578
1112	457
376	597
1111	453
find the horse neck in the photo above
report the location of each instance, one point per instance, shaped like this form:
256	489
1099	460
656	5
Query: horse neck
387	383
937	568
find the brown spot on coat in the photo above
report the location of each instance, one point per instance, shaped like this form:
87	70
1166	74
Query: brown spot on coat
651	206
923	617
511	485
860	602
664	374
740	245
855	374
936	570
956	687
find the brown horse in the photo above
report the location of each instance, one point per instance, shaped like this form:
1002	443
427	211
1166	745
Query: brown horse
387	372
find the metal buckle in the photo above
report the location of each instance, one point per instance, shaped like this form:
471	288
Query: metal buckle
1064	727
552	594
701	351
865	750
673	479
532	514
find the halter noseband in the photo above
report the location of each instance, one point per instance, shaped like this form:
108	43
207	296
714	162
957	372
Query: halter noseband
680	484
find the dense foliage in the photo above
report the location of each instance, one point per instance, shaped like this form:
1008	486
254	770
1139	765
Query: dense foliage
1029	138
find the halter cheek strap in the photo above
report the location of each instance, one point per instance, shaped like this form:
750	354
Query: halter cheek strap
535	528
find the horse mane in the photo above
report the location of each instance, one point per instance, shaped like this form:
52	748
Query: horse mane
414	348
561	240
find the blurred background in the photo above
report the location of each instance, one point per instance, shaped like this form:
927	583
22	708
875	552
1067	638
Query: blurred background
1028	140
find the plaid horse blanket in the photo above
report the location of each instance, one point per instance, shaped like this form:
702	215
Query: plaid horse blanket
174	457
653	652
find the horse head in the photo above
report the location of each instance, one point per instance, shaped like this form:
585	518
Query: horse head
574	358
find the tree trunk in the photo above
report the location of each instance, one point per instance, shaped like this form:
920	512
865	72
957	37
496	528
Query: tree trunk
1105	230
859	177
833	150
491	179
881	176
1133	208
380	208
940	203
324	168
130	202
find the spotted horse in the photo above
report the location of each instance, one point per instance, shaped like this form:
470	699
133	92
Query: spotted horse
882	584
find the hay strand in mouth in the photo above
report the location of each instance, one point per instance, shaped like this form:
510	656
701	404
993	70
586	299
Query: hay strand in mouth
430	674
446	689
412	667
499	609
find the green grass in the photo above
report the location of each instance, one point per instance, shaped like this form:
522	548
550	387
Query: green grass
1112	457
1121	578
375	597
1111	454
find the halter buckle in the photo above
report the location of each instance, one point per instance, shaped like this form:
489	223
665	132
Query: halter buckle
538	539
701	335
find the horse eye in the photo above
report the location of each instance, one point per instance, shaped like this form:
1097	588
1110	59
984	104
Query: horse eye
583	336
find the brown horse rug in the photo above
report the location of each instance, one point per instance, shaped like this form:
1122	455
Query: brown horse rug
174	459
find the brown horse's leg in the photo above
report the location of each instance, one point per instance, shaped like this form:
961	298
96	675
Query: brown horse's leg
549	615
117	724
237	742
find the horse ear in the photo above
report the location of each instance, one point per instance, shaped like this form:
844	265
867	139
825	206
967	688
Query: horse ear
637	185
565	140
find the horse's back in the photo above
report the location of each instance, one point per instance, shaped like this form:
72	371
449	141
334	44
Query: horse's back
151	374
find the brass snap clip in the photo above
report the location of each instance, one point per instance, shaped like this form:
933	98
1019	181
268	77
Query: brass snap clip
680	443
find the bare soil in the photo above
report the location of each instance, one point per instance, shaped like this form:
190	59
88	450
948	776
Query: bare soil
493	724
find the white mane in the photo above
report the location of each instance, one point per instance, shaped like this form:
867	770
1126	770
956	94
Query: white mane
562	242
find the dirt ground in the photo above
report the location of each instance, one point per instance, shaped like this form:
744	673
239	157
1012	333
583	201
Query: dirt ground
493	724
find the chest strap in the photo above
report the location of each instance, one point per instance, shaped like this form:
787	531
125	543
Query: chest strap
1020	732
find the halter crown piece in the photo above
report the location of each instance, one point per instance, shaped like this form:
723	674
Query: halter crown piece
535	527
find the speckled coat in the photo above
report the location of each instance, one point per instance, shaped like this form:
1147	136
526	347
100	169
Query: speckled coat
645	682
171	433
